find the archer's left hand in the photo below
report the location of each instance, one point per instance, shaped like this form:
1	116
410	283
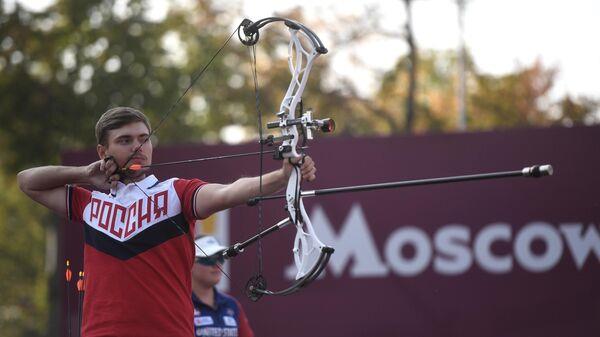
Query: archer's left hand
307	167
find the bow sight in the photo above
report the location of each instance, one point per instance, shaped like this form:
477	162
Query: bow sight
307	125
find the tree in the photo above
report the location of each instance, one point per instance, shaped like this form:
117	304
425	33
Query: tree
576	111
513	100
517	99
23	279
434	94
412	66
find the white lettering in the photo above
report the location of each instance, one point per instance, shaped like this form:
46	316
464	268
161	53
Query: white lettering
527	258
483	248
579	246
408	236
452	243
122	220
409	250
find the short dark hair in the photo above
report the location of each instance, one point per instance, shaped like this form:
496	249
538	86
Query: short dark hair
117	117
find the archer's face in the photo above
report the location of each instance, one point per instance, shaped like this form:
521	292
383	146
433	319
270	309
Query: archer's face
123	142
207	276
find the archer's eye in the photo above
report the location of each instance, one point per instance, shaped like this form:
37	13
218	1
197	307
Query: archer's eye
123	141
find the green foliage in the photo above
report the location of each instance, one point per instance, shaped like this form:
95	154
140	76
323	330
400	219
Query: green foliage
64	67
436	92
514	100
576	111
23	279
518	99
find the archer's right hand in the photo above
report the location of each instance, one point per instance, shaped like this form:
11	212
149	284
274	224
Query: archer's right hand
102	173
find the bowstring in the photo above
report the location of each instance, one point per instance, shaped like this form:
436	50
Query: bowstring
252	51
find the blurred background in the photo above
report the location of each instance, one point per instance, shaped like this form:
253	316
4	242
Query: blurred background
398	74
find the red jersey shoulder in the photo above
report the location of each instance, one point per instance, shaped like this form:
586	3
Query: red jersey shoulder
186	191
77	199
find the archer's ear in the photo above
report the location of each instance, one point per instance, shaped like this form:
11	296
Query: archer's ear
101	149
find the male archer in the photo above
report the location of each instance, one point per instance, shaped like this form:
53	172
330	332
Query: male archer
139	248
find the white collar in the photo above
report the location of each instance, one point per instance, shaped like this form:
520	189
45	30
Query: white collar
145	183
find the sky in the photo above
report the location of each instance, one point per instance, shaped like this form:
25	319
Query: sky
500	34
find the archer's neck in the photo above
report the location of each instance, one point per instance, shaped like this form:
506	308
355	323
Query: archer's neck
129	180
204	293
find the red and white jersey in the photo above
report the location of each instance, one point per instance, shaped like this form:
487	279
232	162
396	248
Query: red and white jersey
137	262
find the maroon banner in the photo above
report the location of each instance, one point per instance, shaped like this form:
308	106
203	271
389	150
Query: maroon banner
507	257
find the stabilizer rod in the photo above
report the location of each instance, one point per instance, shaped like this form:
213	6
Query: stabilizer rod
535	171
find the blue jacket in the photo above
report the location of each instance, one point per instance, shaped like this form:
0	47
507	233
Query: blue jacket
226	319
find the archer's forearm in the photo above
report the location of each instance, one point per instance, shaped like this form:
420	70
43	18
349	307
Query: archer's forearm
246	188
213	198
49	177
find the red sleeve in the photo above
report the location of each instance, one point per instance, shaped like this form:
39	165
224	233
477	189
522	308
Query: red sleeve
244	329
77	199
186	191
